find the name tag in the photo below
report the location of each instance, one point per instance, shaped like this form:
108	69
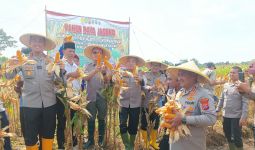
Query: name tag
39	67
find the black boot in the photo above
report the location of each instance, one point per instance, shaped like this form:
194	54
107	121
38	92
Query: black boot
91	129
101	131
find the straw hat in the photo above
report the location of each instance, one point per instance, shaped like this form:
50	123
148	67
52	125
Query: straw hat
25	39
189	66
88	51
139	61
149	64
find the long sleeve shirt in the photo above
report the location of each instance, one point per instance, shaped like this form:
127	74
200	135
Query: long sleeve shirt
38	89
234	104
150	79
200	114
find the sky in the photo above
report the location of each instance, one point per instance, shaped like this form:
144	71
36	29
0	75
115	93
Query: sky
207	30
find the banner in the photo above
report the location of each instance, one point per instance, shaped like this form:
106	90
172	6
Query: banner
113	35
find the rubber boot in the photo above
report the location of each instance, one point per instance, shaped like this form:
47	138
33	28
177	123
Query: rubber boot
153	140
145	138
91	129
101	131
35	147
47	144
132	141
125	140
231	146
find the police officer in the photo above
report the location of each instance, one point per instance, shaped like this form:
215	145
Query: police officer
95	82
235	110
150	93
200	106
130	99
38	109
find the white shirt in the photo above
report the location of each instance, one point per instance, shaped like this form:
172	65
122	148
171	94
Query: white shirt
72	68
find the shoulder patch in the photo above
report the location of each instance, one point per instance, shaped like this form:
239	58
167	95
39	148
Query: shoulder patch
204	102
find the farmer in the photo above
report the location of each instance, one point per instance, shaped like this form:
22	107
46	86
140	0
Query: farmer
235	110
38	107
130	99
199	104
95	82
151	93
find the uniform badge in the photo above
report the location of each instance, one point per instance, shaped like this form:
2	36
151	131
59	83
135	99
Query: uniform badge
204	103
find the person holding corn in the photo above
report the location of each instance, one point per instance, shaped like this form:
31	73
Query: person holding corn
153	77
130	99
199	106
97	105
70	71
38	107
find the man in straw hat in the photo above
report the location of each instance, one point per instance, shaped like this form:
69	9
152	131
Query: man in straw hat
151	93
200	106
130	99
95	82
38	109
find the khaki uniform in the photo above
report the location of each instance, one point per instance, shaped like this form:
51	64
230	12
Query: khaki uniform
150	79
233	103
201	113
95	84
130	94
38	89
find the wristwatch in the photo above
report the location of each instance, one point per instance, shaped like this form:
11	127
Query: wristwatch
184	120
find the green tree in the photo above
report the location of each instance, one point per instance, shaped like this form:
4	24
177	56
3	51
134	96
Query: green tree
6	41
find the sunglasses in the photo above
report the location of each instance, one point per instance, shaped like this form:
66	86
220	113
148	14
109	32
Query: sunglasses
96	52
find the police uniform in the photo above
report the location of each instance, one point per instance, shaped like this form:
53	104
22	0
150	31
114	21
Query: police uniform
130	101
235	107
97	104
149	95
38	110
200	114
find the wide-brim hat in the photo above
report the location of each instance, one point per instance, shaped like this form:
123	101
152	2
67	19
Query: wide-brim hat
139	61
149	64
25	39
189	66
88	51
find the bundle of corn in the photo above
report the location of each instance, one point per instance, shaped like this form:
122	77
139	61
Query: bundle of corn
54	66
168	113
17	61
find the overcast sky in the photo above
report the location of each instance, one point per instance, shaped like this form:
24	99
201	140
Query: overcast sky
208	30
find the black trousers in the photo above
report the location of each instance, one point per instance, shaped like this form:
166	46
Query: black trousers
232	131
132	116
61	125
153	117
37	121
164	143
